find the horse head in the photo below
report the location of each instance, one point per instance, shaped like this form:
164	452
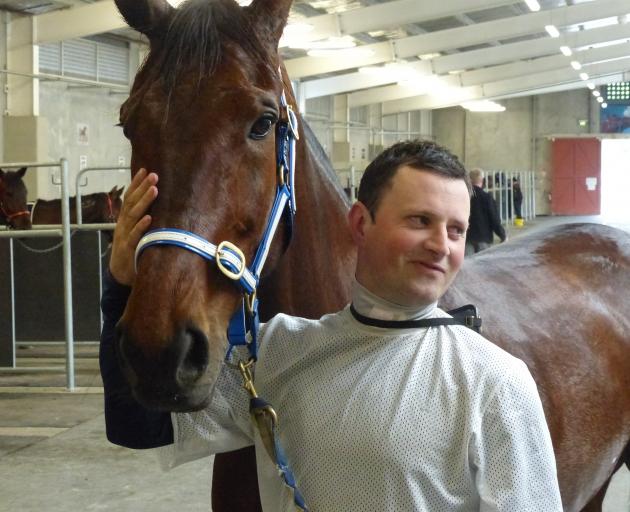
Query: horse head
202	114
13	207
114	203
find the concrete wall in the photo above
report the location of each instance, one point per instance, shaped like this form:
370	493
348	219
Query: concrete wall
82	128
518	139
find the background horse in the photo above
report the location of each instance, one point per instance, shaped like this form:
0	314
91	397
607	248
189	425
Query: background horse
97	208
201	114
13	208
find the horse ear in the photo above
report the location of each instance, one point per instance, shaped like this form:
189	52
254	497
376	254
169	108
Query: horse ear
22	171
120	192
1	173
112	192
273	14
151	17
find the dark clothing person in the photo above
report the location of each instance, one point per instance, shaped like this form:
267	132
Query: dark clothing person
518	199
127	423
484	221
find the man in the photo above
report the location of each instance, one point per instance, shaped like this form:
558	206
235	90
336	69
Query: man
484	218
386	417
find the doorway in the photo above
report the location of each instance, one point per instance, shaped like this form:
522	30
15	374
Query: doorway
616	180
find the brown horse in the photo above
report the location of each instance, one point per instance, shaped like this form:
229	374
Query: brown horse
97	208
13	208
559	300
201	114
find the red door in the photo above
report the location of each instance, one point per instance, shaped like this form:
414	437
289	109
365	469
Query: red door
576	183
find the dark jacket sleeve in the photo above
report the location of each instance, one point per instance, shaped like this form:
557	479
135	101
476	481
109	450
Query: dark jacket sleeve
127	423
493	217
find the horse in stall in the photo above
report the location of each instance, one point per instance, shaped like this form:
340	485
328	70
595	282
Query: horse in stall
201	114
13	207
96	208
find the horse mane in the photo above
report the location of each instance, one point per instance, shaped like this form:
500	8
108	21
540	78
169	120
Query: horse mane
323	162
195	37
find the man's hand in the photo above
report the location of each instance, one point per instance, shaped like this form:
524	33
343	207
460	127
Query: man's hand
132	223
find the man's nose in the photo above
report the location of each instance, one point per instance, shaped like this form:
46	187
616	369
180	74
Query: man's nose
438	241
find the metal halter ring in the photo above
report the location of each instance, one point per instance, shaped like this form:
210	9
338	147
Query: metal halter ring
235	276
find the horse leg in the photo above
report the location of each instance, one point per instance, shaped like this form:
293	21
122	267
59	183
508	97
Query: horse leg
235	482
596	503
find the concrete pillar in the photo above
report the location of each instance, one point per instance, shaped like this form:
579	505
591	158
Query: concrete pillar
341	135
25	134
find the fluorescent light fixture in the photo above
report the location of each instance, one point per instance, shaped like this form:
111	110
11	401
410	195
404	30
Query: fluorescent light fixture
576	65
332	43
175	3
371	70
533	5
600	99
591	86
552	30
483	106
297	29
566	51
429	56
584	76
604	105
596	94
355	53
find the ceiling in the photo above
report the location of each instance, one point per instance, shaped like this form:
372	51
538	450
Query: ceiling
418	54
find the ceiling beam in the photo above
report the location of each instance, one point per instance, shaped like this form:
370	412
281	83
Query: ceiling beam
528	49
523	85
460	37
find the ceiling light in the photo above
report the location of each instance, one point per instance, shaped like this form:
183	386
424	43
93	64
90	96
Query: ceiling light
600	99
332	43
533	5
356	53
584	76
552	30
483	106
596	94
576	65
371	70
604	105
296	29
429	56
591	86
566	51
175	3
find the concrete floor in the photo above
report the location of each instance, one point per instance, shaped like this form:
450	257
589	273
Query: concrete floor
54	456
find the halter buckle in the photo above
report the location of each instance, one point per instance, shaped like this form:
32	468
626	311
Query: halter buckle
221	249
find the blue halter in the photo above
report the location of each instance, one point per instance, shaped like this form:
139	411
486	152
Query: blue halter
231	262
228	257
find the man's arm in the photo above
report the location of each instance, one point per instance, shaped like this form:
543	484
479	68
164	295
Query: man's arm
127	423
512	450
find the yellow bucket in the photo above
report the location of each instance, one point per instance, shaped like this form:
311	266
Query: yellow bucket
519	223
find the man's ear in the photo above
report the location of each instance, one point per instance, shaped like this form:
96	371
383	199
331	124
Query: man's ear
359	219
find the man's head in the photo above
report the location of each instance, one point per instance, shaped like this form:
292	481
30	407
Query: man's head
476	177
410	222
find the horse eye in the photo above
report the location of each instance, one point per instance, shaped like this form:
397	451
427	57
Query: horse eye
261	128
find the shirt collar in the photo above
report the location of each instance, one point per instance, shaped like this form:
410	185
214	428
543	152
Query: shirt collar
368	304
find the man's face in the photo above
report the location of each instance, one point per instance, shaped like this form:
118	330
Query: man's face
413	249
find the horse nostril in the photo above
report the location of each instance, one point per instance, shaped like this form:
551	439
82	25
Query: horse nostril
194	360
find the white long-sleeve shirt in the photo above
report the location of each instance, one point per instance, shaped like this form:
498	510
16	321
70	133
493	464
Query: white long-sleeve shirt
372	419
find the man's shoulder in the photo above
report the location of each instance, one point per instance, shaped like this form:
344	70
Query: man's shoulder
292	325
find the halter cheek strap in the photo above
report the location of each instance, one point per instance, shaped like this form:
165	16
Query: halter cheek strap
228	257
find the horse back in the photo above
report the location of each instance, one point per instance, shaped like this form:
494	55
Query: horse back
559	300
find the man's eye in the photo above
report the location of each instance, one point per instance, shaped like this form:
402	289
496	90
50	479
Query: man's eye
456	232
419	220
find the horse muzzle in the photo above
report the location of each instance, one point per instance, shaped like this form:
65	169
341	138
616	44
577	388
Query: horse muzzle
175	378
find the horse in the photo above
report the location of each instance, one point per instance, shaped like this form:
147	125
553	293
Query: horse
13	207
201	113
558	299
97	208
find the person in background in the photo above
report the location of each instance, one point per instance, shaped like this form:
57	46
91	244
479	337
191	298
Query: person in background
378	410
484	217
518	198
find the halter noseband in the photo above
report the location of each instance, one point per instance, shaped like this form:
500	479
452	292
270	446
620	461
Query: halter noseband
228	257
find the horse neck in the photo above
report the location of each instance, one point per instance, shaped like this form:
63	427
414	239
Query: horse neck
314	275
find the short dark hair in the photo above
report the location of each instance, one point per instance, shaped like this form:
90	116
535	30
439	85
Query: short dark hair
424	155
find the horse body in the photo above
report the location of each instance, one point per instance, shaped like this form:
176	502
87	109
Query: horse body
558	300
200	114
97	208
13	207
